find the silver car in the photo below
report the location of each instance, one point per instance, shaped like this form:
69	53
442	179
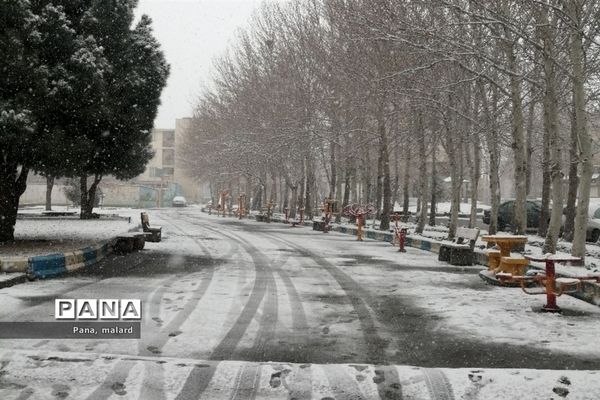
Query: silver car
179	201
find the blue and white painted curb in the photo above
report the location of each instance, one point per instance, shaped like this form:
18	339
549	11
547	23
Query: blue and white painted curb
57	264
52	265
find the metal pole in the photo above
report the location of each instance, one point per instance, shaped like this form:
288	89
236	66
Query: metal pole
550	284
359	226
402	240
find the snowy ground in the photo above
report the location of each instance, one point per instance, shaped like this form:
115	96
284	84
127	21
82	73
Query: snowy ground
533	247
323	307
62	234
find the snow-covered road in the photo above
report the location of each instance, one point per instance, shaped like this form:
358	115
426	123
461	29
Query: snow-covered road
219	289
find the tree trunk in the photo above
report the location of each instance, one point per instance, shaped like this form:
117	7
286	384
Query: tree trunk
347	175
13	183
88	196
432	210
367	197
302	187
493	146
573	181
83	196
387	180
530	120
551	124
49	186
546	180
406	184
256	198
422	175
379	182
310	181
453	160
286	195
273	198
396	178
265	188
338	193
333	167
247	205
475	174
585	141
294	201
519	145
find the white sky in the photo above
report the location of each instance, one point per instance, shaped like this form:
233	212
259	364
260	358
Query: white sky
192	33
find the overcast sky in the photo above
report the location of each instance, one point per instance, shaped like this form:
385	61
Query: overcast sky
192	33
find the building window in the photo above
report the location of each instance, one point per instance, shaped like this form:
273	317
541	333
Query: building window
168	139
168	157
168	171
155	172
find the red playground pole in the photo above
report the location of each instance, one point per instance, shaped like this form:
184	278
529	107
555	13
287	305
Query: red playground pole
402	240
550	305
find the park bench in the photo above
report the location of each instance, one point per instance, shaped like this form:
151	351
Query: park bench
460	252
153	233
319	225
59	213
129	242
297	222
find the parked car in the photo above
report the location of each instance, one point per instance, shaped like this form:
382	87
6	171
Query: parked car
593	228
179	201
506	215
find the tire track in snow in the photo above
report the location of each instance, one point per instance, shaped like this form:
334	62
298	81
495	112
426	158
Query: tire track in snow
154	345
157	341
342	384
438	385
299	320
359	299
200	376
114	382
269	318
388	382
263	279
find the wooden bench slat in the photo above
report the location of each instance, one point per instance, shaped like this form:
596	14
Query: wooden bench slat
460	252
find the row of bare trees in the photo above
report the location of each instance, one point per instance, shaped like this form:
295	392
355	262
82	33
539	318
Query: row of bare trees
371	100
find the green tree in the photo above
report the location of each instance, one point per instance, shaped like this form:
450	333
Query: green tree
40	54
119	144
79	90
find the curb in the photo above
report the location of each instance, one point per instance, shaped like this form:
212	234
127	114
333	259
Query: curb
14	264
56	264
53	265
17	279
